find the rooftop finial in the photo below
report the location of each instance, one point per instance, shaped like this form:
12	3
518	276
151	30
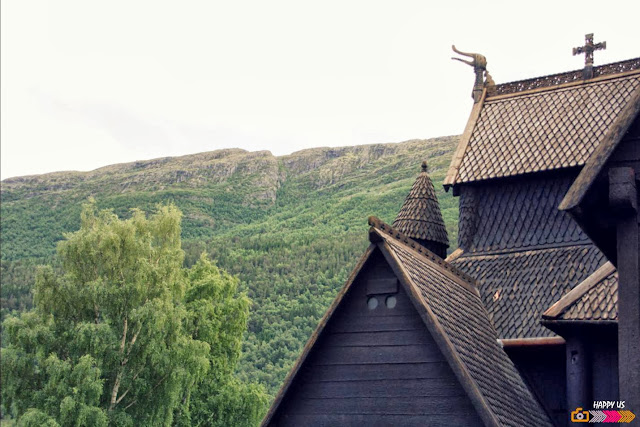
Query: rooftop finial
479	64
588	49
424	166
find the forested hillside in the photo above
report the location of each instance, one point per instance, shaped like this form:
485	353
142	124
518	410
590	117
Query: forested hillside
291	227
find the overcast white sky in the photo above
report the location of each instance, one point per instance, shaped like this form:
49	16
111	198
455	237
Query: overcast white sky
87	83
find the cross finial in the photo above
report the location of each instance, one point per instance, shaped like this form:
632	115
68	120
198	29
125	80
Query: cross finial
588	49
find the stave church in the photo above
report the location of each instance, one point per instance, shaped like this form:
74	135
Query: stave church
536	313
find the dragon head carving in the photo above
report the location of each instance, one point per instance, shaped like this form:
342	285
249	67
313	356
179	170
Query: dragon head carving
478	61
479	64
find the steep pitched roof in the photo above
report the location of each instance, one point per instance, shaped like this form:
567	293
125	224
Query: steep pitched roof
594	300
420	216
517	287
450	306
542	124
596	161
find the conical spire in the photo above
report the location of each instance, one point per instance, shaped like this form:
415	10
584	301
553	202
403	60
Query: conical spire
420	217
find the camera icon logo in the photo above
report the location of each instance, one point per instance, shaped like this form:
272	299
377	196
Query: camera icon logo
580	416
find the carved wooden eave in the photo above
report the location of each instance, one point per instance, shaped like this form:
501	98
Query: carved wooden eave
554	80
454	168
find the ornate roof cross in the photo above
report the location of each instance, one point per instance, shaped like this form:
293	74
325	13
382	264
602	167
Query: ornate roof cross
588	49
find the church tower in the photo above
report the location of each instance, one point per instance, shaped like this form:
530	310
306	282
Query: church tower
420	217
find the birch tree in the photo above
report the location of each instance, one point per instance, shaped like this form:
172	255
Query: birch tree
126	336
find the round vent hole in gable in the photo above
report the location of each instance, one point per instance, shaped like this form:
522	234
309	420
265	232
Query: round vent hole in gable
391	301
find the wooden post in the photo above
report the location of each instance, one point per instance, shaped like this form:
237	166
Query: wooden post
578	378
623	198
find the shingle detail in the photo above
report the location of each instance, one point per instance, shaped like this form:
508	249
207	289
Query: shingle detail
600	303
522	214
545	130
466	324
516	288
594	300
420	216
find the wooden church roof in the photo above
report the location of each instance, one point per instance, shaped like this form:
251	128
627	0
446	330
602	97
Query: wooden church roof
599	157
517	287
594	300
450	308
542	124
420	216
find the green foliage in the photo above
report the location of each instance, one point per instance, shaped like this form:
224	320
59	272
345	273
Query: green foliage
127	335
290	228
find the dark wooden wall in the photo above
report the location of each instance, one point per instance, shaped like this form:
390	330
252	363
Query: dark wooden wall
628	152
609	214
376	367
624	199
604	364
543	369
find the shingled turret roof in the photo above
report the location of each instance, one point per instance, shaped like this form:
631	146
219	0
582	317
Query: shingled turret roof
420	217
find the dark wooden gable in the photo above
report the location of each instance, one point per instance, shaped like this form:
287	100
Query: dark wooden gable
375	365
374	321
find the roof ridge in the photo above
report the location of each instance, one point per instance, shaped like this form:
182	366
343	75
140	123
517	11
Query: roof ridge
379	225
564	77
561	86
522	249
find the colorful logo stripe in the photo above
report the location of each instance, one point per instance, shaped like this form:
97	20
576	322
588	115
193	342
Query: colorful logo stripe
611	416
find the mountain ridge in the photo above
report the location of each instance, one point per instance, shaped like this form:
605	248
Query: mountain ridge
215	154
290	227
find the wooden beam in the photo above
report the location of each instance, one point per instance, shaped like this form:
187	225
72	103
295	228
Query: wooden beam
452	174
531	342
623	196
578	292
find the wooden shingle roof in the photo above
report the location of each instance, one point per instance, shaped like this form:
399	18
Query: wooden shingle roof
452	311
517	287
601	155
519	215
594	300
539	125
420	216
